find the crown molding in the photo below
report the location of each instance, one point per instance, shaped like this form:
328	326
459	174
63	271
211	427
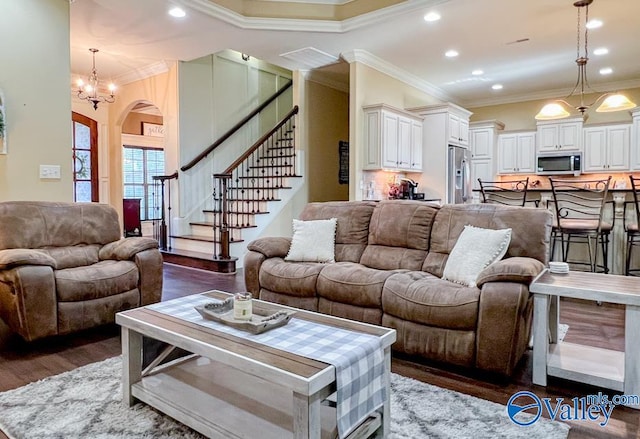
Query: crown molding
309	25
364	57
607	87
142	73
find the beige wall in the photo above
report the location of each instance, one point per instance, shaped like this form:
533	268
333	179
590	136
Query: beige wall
133	123
35	78
367	87
160	90
328	113
521	115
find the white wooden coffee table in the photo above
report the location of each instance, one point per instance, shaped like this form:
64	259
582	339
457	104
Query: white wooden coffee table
236	388
607	368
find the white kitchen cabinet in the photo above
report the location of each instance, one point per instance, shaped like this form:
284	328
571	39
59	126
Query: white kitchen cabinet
635	141
516	153
606	148
436	139
458	130
481	169
560	136
483	140
393	139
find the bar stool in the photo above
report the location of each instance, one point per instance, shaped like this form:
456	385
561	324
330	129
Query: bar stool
510	193
579	207
632	230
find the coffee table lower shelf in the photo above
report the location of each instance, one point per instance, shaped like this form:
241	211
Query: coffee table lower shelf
587	364
222	402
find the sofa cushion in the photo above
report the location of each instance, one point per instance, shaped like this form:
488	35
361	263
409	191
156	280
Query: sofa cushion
57	224
352	229
399	235
423	298
348	282
106	278
73	256
313	241
526	241
292	278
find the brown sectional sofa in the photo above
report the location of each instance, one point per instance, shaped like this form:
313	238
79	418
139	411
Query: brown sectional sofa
64	267
390	257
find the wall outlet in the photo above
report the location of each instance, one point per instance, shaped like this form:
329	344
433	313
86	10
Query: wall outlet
50	172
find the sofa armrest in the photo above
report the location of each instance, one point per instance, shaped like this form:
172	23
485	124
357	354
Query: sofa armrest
517	269
271	247
504	325
28	302
23	256
125	249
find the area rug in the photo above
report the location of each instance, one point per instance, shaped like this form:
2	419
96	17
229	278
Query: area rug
87	403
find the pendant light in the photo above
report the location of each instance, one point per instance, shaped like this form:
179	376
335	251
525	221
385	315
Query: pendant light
612	101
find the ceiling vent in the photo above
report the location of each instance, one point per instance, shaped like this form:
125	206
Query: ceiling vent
310	57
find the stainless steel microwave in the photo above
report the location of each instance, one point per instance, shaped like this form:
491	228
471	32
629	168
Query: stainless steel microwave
559	163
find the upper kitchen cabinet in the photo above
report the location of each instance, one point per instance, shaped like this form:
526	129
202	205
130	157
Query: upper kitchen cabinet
560	136
483	139
606	148
516	153
392	138
448	124
635	141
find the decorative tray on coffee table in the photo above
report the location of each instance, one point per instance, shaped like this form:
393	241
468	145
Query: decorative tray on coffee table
264	317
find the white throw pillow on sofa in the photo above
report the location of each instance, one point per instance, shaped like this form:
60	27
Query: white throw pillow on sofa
475	250
313	241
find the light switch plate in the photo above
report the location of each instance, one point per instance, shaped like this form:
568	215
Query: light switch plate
50	172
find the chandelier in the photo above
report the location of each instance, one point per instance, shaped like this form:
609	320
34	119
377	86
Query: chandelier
610	101
89	90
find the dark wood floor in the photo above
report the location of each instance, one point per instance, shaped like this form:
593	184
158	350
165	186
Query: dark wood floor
21	363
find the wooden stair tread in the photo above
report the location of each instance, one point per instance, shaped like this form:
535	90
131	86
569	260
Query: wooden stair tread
272	176
203	261
256	200
199	238
253	188
208	224
237	212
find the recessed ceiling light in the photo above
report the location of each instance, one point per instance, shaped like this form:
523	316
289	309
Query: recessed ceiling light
477	72
601	51
432	16
177	12
497	86
594	24
606	71
451	53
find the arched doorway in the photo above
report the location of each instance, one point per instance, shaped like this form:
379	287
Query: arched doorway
142	158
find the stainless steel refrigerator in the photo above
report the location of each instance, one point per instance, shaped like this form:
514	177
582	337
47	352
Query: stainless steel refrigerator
458	176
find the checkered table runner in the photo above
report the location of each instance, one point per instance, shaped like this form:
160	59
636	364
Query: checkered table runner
357	357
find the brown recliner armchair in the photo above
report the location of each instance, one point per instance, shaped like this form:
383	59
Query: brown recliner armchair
64	267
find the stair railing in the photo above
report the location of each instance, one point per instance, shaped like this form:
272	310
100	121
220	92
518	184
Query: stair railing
236	127
252	180
160	230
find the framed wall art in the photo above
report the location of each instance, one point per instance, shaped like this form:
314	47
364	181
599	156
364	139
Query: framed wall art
152	129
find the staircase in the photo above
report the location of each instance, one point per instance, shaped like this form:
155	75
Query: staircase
246	190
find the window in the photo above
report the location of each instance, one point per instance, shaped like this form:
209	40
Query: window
139	165
85	158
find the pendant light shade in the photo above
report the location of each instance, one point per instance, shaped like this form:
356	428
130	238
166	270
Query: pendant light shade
615	102
552	111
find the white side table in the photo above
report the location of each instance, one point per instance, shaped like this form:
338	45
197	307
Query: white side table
607	368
